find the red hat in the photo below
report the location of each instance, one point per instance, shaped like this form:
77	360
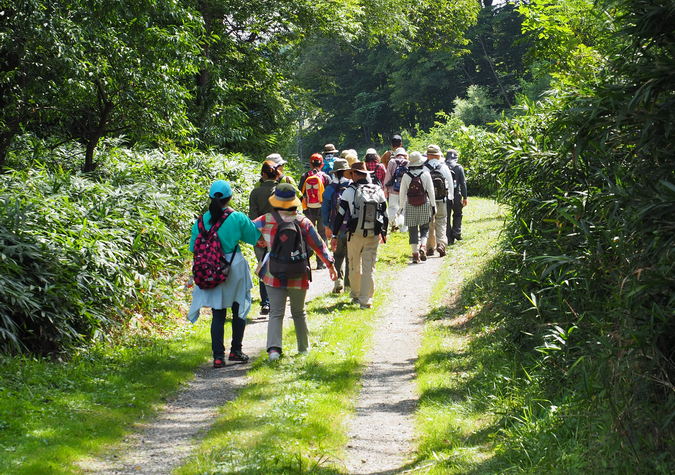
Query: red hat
316	157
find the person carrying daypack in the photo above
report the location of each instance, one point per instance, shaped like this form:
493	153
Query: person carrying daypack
216	236
312	185
444	192
329	210
417	201
397	167
279	163
373	164
460	199
364	206
330	153
288	235
396	143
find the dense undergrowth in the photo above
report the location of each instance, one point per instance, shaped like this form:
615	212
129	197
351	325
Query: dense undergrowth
83	254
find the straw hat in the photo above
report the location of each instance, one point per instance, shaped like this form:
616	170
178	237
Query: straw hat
330	148
285	196
359	167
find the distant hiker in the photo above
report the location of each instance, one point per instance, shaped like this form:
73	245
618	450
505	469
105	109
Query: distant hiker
215	241
417	202
460	200
329	209
364	205
397	167
279	166
373	164
312	185
258	204
444	192
288	234
396	142
330	153
351	156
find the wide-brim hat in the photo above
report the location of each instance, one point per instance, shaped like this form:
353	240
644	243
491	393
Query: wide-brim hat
340	164
285	196
434	151
222	187
359	167
330	148
276	158
416	159
400	151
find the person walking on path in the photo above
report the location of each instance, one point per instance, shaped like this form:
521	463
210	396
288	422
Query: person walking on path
312	185
444	192
330	153
258	204
460	200
373	164
396	143
279	271
279	166
364	206
329	209
396	168
417	202
231	228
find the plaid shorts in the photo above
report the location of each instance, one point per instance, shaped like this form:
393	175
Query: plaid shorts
417	215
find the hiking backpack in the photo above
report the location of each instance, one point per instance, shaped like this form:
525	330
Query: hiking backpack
328	162
399	171
437	178
335	203
417	195
209	266
288	253
367	202
312	191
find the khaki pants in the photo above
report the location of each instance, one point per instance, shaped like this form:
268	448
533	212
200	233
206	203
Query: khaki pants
437	236
362	253
278	297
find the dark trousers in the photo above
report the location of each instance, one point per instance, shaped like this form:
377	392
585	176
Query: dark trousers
340	257
260	255
453	228
218	330
314	215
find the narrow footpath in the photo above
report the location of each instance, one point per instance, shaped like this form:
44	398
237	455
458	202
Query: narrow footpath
162	444
381	433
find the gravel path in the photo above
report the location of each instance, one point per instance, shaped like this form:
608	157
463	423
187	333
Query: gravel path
382	431
162	444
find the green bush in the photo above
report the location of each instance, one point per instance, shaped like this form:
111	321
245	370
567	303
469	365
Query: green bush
83	253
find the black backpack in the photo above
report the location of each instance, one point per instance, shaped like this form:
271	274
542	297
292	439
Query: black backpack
440	186
288	254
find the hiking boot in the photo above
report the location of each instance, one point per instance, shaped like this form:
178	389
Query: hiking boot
415	257
441	252
338	287
365	305
274	354
265	310
237	355
458	238
218	362
430	252
355	300
423	255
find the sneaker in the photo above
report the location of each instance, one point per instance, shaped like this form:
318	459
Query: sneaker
458	238
265	310
365	305
441	252
274	355
423	255
218	362
430	252
238	356
355	300
338	287
415	257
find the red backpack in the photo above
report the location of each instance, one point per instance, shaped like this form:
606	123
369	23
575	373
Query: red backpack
209	266
417	195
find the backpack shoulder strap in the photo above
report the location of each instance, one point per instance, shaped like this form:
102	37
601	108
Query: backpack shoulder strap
219	223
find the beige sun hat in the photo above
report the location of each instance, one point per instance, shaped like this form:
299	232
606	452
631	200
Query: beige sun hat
434	151
416	159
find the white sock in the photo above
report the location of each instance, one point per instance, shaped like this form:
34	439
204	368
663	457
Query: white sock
414	247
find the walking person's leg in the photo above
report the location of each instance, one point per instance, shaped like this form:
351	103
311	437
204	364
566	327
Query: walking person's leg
392	209
457	219
264	299
354	249
431	240
276	322
218	336
439	228
424	234
238	327
368	259
413	240
448	222
297	299
340	256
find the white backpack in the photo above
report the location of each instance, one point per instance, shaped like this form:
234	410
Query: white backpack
368	199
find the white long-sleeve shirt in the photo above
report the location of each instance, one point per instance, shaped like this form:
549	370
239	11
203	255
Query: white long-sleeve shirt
427	183
445	171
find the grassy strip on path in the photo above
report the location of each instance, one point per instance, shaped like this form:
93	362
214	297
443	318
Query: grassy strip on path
453	421
53	413
291	416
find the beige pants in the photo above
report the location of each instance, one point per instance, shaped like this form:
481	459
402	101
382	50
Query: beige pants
362	252
437	237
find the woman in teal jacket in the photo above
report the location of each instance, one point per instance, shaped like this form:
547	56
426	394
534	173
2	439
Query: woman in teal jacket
235	292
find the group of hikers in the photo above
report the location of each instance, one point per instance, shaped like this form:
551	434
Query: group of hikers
340	203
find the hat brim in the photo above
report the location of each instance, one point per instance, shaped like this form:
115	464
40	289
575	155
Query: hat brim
277	203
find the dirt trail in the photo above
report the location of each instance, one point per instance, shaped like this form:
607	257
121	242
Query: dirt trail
382	431
161	445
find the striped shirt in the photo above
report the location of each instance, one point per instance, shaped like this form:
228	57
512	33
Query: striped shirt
268	228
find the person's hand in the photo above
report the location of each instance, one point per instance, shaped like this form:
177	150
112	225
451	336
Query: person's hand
465	202
261	242
332	273
333	244
329	233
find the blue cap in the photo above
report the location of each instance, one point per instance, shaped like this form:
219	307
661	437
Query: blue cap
222	187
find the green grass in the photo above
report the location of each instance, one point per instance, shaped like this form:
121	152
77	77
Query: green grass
453	423
291	417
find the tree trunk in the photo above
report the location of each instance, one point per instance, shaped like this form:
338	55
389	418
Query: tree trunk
94	137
